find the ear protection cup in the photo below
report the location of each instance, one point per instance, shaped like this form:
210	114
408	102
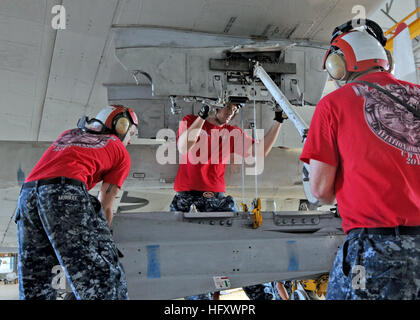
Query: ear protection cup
122	125
336	66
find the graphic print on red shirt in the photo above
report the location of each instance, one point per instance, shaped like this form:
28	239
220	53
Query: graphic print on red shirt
375	145
75	138
390	121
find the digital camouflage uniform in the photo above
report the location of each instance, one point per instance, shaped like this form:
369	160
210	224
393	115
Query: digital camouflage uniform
219	203
264	291
61	224
376	267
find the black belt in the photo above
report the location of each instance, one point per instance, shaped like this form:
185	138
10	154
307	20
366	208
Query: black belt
206	194
395	231
58	180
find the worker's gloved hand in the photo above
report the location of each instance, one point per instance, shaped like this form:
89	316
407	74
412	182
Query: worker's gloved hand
280	116
204	111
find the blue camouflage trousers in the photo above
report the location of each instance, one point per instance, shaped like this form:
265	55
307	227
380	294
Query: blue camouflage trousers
376	267
219	203
263	291
61	224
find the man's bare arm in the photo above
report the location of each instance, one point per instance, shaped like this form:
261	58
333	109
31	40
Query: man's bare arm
271	137
185	142
322	180
269	140
106	197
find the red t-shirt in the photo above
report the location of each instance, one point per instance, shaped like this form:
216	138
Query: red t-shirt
86	157
375	145
203	168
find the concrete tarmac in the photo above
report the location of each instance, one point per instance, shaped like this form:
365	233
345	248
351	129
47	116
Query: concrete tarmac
9	292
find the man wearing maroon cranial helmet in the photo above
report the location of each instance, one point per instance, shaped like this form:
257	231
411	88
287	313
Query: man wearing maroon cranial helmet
60	223
363	149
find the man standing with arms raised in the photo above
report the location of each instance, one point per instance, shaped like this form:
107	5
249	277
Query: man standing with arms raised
200	179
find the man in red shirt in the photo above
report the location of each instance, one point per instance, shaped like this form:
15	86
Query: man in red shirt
363	149
60	223
200	179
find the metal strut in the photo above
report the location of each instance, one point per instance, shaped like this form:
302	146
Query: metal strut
281	99
243	161
300	124
256	204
